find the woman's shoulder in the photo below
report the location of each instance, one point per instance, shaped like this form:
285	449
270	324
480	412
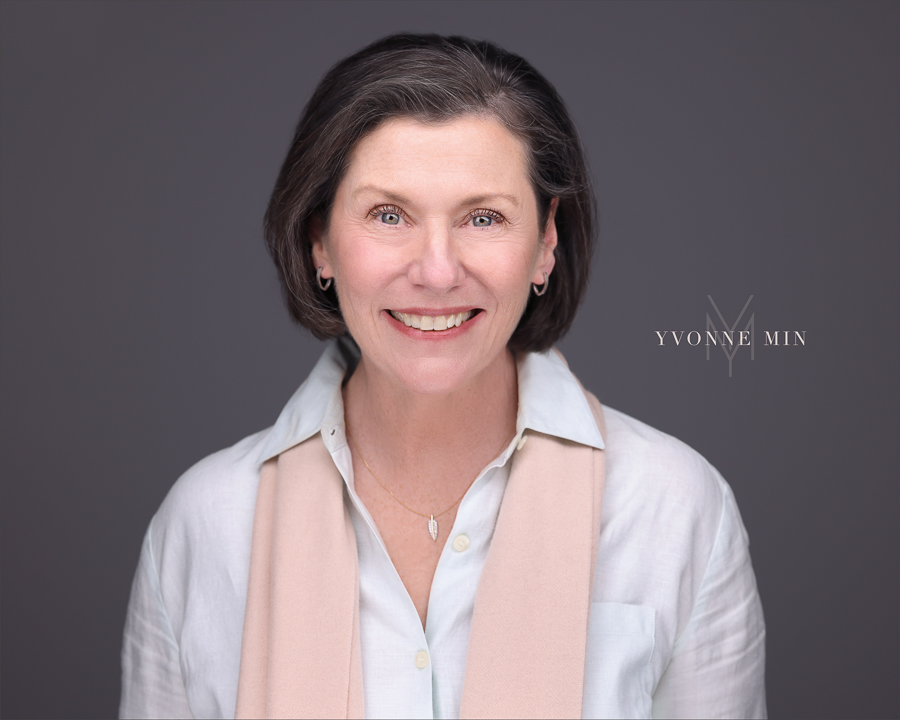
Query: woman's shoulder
651	467
216	493
191	581
661	493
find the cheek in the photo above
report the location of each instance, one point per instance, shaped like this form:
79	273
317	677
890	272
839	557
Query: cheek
509	272
363	269
512	287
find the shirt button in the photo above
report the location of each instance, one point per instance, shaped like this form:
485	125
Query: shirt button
461	543
521	442
421	659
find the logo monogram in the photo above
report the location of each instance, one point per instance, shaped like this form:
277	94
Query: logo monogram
728	334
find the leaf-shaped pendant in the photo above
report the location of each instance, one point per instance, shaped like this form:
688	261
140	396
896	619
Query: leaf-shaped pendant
433	528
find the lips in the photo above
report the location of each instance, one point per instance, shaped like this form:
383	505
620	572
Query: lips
433	322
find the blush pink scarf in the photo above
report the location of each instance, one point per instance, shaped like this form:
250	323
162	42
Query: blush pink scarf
300	656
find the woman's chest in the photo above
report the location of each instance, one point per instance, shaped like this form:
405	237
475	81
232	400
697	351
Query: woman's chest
419	671
411	670
413	540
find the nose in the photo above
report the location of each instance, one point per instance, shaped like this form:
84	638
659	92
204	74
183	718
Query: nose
436	266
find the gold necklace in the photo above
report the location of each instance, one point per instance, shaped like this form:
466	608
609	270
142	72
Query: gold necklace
432	523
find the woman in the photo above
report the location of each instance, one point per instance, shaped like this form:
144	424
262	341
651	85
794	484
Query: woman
442	522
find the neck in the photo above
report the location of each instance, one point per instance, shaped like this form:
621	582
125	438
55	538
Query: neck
407	432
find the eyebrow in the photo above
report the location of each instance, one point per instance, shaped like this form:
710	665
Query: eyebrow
402	200
393	197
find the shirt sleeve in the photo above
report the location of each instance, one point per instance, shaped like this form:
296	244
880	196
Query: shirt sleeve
717	668
152	685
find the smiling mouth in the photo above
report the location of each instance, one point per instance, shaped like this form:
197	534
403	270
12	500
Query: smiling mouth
433	322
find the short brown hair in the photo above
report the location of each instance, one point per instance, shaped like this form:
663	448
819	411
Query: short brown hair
432	78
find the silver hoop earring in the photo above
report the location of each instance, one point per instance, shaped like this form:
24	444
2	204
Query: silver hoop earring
543	288
327	284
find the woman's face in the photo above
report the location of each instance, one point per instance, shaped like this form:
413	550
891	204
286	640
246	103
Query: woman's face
433	243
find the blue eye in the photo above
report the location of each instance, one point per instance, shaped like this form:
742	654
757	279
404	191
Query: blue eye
482	220
390	218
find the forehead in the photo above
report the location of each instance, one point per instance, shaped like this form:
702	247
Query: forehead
469	153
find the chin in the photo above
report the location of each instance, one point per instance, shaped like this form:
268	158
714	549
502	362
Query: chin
436	376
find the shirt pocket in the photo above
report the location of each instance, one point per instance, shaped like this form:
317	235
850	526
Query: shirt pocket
618	677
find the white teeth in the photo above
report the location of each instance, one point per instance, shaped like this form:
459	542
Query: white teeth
432	322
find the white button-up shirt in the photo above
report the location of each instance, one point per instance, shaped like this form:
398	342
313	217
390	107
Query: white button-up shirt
676	626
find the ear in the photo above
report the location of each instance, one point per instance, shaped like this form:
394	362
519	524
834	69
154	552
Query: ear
319	247
549	240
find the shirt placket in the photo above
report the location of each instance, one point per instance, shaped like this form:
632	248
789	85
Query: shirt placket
454	586
409	671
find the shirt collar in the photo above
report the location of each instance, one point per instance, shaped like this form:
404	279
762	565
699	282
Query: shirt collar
551	400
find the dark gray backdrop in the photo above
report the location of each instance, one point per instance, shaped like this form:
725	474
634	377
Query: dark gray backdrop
737	150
